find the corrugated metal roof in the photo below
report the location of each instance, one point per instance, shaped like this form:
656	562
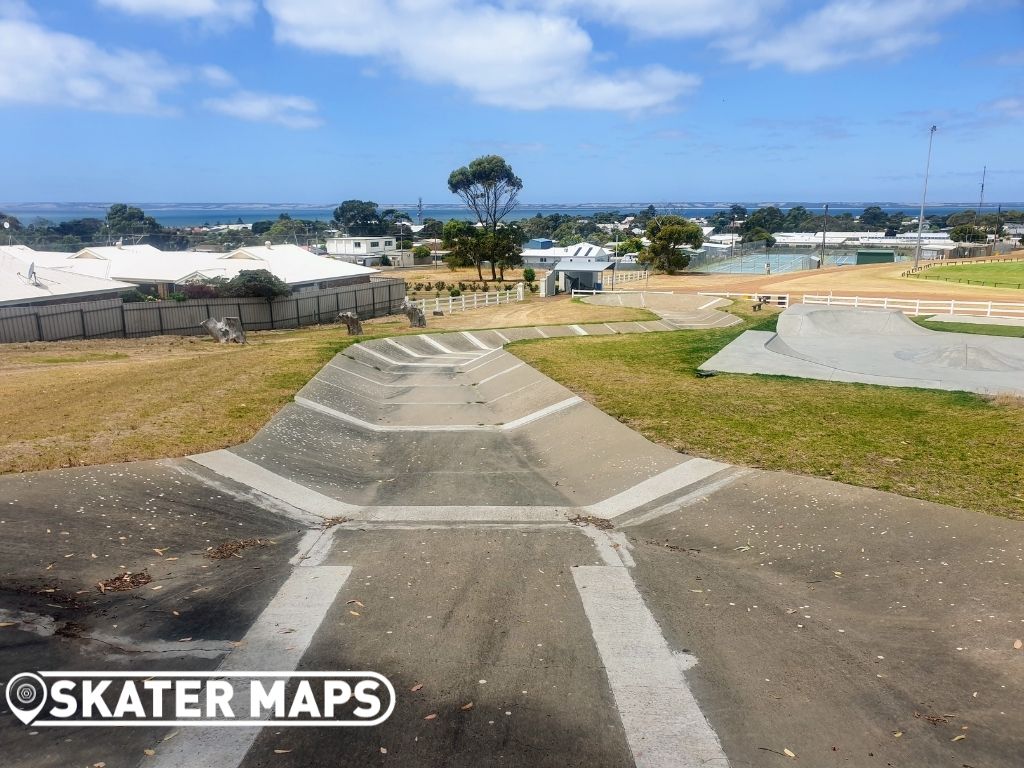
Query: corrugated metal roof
22	282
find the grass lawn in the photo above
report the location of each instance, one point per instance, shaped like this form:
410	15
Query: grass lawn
1015	331
953	448
1000	274
92	402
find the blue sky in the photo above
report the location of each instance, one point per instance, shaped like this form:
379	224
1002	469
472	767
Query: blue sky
589	100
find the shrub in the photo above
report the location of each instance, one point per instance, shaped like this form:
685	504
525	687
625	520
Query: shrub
177	296
454	292
258	283
529	275
440	285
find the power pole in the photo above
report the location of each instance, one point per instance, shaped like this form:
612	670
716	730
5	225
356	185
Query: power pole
924	196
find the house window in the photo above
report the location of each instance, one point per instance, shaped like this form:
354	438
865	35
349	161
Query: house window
357	244
387	243
375	244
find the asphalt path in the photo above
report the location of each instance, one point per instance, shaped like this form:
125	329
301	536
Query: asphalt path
542	585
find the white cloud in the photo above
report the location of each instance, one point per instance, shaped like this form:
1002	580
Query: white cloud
844	31
289	111
215	11
1010	107
503	57
217	76
40	66
668	18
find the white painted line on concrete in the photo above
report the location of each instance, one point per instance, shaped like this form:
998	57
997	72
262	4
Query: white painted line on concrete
578	331
709	304
373	381
476	342
611	546
702	492
471	355
466	514
500	373
537	415
250	496
436	344
234	467
499	350
356	421
610	328
674	479
391	361
502	336
664	725
276	641
540	332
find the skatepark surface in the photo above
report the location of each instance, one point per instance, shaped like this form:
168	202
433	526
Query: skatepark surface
542	585
680	310
875	346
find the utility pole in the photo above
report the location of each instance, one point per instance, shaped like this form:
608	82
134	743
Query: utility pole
824	230
924	196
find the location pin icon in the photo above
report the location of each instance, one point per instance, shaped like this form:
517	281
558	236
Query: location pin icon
26	696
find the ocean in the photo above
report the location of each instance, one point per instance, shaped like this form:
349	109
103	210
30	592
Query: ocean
199	214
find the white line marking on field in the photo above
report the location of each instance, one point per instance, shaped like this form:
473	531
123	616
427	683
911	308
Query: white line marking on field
355	421
277	640
476	342
578	331
664	725
234	467
674	479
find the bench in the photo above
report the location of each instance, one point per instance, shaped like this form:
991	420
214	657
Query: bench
757	307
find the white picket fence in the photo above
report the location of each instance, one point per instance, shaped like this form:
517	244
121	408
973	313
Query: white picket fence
924	306
630	276
449	304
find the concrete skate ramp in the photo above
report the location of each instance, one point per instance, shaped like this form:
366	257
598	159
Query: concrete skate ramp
874	346
679	310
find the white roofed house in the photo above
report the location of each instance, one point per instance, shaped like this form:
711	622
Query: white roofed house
299	268
151	269
25	282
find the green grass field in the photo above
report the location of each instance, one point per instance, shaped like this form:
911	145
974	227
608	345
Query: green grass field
1014	331
1001	274
953	448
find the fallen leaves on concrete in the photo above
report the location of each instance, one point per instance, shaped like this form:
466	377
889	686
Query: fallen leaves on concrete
598	522
124	582
232	548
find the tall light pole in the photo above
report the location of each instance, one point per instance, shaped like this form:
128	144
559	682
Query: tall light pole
824	230
924	196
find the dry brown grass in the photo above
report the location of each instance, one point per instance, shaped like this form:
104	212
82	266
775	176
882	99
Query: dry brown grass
94	402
